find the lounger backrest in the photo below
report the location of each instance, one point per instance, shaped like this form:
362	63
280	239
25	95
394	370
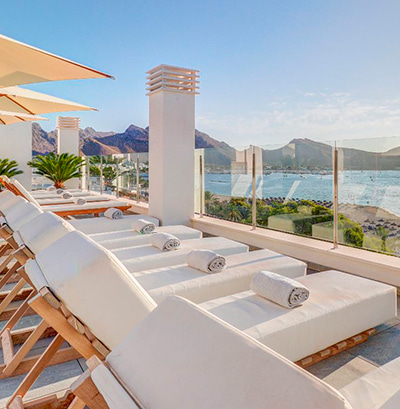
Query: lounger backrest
24	192
94	285
42	231
6	197
10	204
180	356
22	213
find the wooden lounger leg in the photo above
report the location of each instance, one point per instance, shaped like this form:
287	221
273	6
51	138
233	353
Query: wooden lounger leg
6	277
6	262
35	372
56	319
85	390
4	248
16	359
11	295
19	313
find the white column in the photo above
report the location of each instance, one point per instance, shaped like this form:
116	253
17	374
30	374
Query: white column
68	141
172	92
16	144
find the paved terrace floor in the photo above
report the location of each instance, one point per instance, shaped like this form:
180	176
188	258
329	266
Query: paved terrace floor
338	371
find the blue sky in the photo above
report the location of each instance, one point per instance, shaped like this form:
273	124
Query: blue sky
270	70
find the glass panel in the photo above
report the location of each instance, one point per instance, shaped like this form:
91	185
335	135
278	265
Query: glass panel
295	187
119	175
227	184
369	193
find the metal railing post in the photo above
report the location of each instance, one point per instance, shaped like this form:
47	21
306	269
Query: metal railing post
117	185
101	174
137	179
253	192
335	198
87	173
201	185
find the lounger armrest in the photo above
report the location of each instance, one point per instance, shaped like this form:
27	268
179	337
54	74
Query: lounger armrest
99	388
379	388
6	231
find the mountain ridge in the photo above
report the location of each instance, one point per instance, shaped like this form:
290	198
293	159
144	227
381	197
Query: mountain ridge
298	153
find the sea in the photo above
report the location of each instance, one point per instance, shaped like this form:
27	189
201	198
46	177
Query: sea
369	188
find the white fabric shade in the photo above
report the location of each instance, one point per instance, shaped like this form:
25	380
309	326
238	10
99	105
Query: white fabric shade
16	99
23	64
7	117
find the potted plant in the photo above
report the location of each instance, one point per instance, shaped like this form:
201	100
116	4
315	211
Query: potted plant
58	167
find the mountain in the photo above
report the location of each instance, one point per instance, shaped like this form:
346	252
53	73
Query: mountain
308	153
133	139
297	153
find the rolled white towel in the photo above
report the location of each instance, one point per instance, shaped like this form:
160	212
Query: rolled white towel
67	195
279	289
113	213
143	226
79	201
206	260
60	191
165	241
50	188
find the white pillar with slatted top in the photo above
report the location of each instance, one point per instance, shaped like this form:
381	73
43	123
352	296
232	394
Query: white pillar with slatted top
172	92
68	140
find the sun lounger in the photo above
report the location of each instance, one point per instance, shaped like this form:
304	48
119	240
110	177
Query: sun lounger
64	210
198	286
203	362
19	214
340	306
146	257
129	238
95	318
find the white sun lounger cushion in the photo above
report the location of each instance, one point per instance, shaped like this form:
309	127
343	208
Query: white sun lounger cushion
340	306
182	357
42	231
379	388
86	206
94	286
10	204
199	287
130	238
147	257
21	214
103	224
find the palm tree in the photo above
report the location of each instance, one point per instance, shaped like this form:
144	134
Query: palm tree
383	234
58	168
210	200
233	214
9	168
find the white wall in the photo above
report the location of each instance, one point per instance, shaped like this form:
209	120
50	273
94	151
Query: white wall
16	144
171	156
68	142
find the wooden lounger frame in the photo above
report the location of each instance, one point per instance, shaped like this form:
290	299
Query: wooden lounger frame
68	328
